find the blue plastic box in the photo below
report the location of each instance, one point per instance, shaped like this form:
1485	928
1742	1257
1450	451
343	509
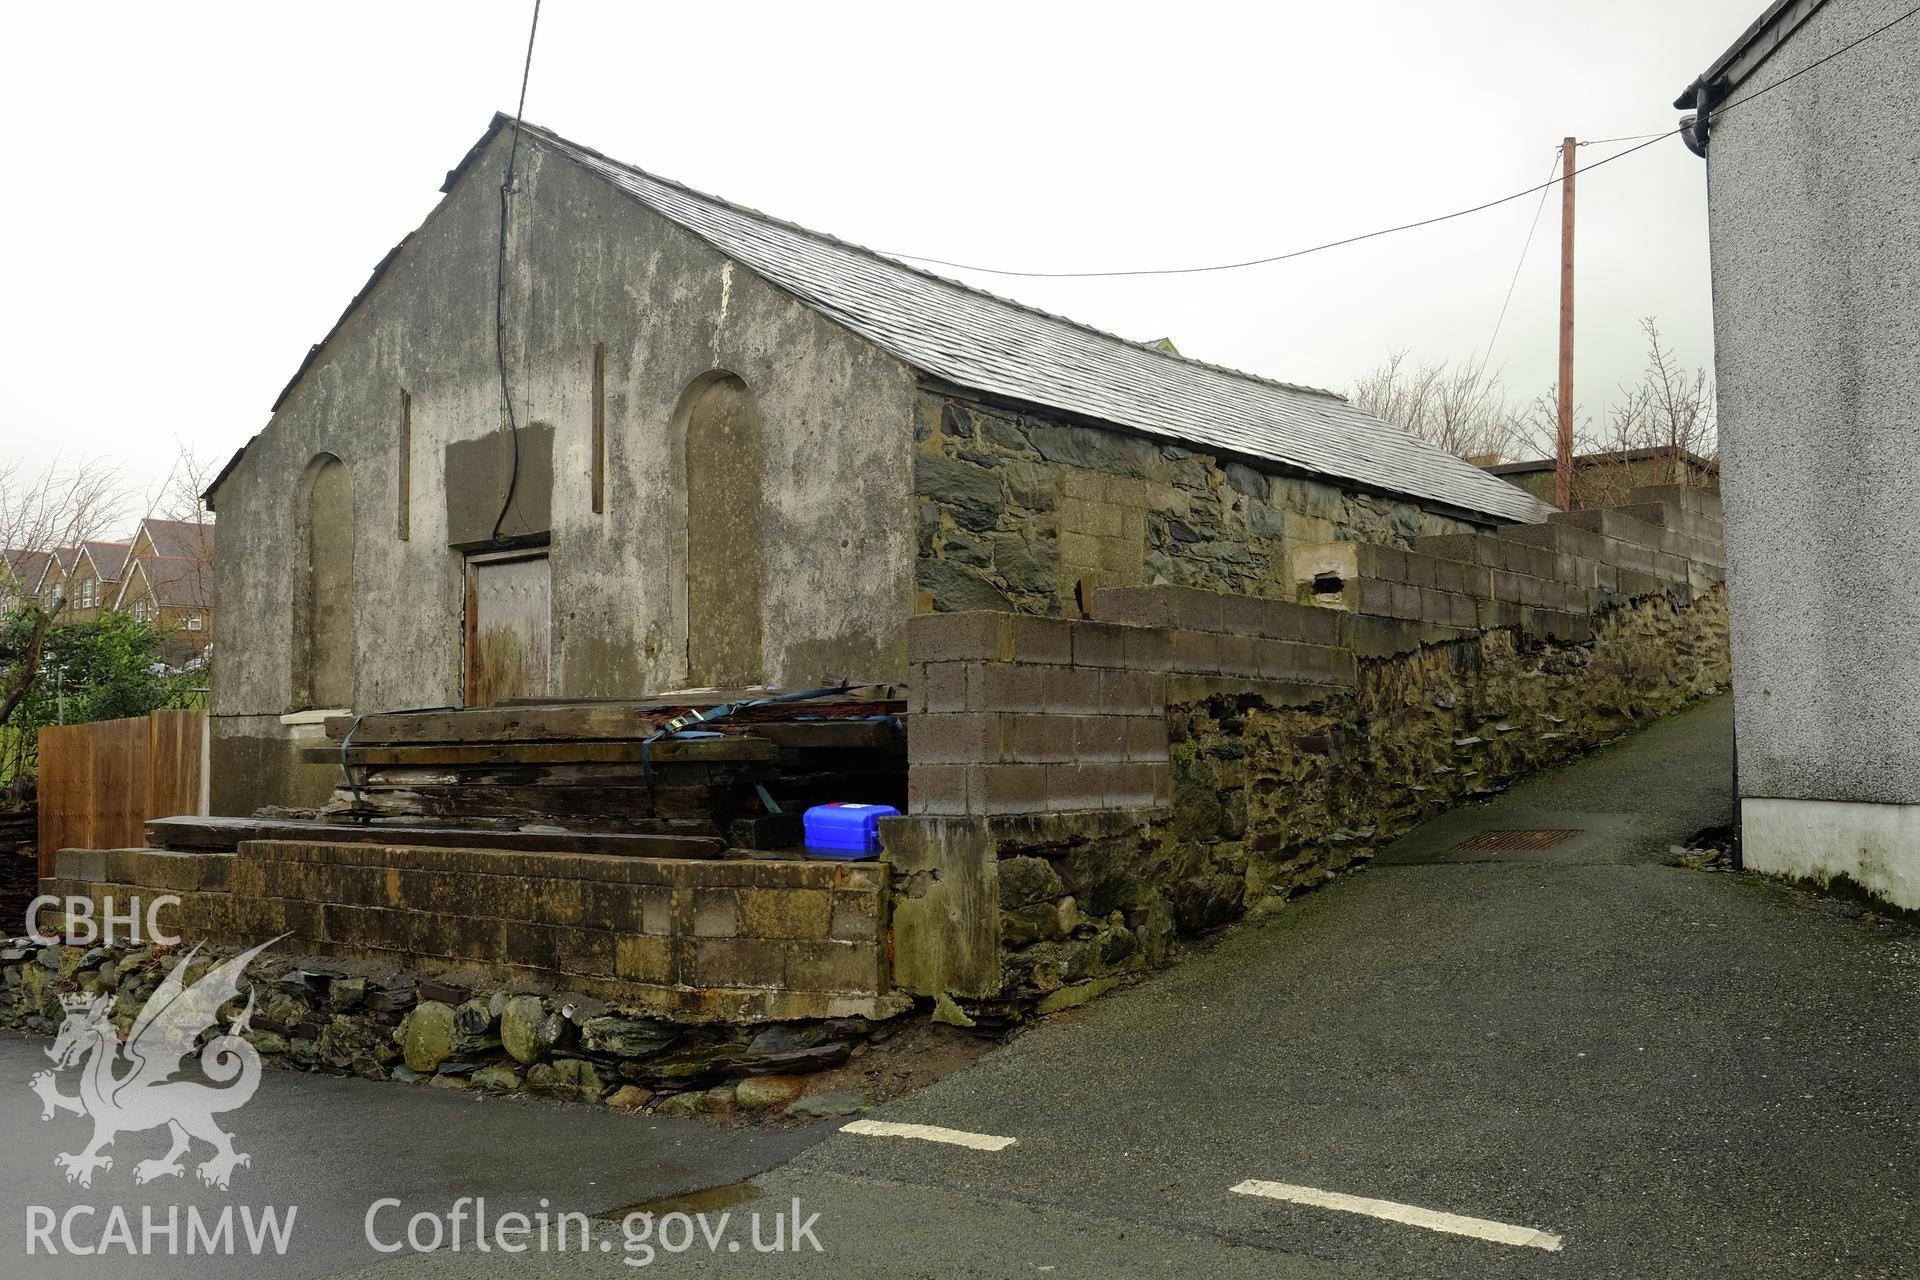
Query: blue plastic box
845	830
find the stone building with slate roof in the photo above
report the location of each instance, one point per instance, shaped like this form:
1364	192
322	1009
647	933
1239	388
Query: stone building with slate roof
743	453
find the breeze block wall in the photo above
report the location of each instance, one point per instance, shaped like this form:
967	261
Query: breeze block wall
738	940
1063	830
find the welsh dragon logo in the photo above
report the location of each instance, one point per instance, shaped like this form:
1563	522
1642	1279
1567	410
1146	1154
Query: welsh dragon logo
130	1087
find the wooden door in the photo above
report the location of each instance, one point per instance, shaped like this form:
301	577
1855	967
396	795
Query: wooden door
508	627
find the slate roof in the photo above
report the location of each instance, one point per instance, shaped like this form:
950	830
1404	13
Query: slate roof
978	341
178	582
179	537
28	568
109	558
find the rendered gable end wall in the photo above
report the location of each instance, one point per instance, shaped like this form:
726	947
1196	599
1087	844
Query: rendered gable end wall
587	265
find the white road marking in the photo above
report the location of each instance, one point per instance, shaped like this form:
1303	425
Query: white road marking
927	1133
1431	1219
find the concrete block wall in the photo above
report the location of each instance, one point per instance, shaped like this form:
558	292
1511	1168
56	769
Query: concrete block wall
1017	714
733	940
1550	579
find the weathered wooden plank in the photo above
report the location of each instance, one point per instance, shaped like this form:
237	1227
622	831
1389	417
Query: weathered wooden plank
496	724
734	748
714	697
557	775
218	833
831	735
596	805
551	722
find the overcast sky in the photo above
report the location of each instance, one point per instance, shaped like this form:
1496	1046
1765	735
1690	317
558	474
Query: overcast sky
197	190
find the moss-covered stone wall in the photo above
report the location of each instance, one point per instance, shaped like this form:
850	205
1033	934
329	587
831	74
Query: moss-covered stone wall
1030	514
1274	798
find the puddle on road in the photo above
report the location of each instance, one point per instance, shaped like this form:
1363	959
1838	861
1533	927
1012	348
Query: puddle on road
705	1200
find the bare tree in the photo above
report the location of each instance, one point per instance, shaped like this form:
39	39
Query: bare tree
1463	410
42	516
1660	430
1676	409
179	499
1536	426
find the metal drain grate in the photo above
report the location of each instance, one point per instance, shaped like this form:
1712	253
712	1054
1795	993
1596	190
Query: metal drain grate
1516	839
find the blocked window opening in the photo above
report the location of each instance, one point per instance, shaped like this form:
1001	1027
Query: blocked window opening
724	494
323	600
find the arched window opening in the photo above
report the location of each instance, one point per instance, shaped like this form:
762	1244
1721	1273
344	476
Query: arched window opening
723	461
323	603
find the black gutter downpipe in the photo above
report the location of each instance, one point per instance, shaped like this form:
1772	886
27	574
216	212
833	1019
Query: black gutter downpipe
1696	128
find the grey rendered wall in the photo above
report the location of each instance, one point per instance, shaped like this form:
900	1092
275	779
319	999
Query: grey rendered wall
1815	223
587	265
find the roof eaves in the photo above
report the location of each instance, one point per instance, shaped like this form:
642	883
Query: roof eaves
941	386
1531	465
380	269
226	471
126	584
1756	44
500	120
313	352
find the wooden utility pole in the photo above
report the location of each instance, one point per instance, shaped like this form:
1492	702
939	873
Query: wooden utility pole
1563	457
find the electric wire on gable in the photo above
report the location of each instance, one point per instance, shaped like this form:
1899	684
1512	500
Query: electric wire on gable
500	282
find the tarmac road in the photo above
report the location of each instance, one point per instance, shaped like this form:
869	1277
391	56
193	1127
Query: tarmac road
1608	1064
330	1148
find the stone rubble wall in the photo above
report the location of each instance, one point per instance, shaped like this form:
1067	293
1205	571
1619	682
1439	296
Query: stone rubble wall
394	1024
1052	846
1025	513
743	940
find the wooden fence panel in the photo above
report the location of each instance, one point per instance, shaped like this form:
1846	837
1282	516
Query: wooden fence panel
66	788
101	782
120	765
177	774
